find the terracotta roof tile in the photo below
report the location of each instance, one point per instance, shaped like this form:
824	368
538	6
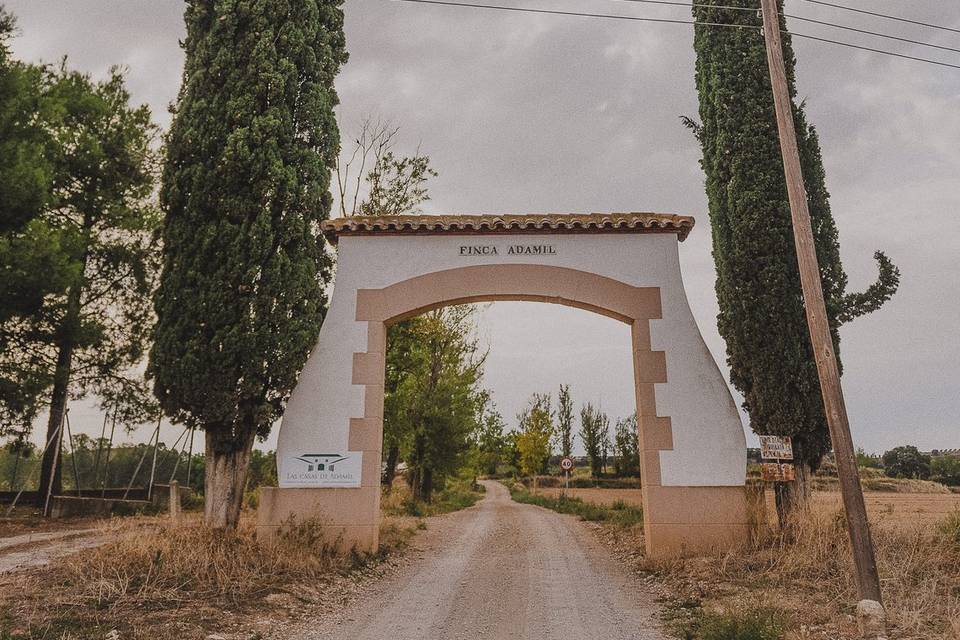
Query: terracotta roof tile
509	223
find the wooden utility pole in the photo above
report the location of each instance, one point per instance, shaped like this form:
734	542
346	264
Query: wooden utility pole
868	581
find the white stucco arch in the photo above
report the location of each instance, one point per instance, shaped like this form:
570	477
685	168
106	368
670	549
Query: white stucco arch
622	265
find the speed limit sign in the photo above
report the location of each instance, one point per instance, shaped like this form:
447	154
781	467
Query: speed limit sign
566	463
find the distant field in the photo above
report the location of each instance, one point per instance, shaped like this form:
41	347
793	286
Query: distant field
898	508
883	508
599	496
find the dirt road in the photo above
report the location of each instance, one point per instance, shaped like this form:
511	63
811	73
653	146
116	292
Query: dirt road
38	549
499	570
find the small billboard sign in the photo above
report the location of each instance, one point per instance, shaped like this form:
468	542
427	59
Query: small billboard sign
776	448
776	472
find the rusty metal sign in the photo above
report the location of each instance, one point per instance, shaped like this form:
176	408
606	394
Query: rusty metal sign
776	448
776	472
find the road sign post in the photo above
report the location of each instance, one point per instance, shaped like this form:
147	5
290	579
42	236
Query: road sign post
566	464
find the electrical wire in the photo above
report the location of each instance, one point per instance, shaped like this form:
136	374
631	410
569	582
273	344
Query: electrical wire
872	33
883	15
580	14
863	48
677	3
583	14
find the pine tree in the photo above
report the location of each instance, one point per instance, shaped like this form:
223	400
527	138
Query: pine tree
77	257
758	284
245	186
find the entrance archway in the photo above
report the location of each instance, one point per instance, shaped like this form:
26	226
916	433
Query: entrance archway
625	266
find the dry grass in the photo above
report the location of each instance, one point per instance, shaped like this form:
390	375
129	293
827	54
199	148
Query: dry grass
604	497
808	573
895	509
154	572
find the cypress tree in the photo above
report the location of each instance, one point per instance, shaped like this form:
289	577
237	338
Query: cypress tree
245	186
758	283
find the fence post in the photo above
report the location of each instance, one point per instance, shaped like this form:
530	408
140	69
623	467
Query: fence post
174	501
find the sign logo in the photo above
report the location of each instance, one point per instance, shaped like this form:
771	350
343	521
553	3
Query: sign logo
322	469
321	461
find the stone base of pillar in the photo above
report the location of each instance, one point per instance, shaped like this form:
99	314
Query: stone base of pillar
689	521
349	518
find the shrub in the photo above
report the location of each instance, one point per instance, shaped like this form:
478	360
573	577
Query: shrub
950	527
906	462
750	624
457	494
946	469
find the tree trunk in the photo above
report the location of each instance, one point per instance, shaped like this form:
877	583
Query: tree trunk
426	485
50	465
793	496
393	457
227	463
417	469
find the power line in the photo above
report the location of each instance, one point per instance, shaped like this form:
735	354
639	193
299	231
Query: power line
872	33
883	15
580	14
884	52
677	3
609	16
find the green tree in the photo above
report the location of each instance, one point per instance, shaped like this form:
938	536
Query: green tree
490	442
906	462
89	336
445	401
536	432
592	428
606	444
868	460
565	434
626	447
758	285
946	469
34	263
404	359
245	186
395	185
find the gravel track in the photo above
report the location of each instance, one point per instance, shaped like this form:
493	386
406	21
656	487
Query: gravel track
38	549
499	570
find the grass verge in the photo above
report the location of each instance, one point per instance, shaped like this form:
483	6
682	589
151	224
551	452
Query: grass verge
457	494
807	571
748	623
157	580
619	513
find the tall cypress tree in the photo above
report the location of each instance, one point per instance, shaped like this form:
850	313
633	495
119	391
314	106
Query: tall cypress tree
758	282
245	186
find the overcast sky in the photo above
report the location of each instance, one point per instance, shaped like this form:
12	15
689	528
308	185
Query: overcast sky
532	113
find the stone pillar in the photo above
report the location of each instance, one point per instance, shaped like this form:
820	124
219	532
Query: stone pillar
175	501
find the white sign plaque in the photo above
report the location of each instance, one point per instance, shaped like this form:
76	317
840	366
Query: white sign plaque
323	469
